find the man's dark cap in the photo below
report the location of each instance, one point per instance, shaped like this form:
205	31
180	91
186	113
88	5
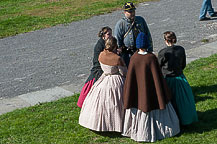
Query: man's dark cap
129	6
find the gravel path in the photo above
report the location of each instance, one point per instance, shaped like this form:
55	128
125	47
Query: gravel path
62	55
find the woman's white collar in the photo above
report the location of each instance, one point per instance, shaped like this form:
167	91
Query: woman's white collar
142	53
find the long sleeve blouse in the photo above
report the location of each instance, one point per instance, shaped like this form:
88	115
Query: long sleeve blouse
96	70
172	60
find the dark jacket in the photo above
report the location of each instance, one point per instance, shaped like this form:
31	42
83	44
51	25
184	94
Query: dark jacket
96	70
145	88
172	60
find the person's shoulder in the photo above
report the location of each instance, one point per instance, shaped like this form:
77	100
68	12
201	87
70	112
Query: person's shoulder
179	47
134	55
151	58
140	18
162	51
138	57
120	21
117	57
151	55
100	43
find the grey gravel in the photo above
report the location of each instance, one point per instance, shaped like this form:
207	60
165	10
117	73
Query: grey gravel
62	55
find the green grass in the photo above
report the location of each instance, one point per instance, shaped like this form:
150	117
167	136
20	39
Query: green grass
19	16
57	122
205	40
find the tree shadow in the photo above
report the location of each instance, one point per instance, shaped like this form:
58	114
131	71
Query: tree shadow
203	90
108	134
207	122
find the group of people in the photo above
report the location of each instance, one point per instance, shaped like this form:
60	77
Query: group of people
132	91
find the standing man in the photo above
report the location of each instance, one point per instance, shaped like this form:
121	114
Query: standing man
126	31
207	7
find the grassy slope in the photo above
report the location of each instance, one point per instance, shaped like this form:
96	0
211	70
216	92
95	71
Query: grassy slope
57	122
19	16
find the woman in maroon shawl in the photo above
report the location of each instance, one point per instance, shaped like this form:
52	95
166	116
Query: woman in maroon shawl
149	114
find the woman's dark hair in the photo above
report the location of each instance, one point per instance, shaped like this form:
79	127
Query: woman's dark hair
170	37
111	44
103	31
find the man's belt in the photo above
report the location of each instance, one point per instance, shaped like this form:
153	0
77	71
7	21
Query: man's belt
130	50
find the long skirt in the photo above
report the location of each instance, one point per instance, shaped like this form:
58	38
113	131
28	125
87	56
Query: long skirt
151	126
86	88
103	109
93	77
182	99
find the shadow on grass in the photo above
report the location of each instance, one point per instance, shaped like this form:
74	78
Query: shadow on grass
203	90
109	134
207	122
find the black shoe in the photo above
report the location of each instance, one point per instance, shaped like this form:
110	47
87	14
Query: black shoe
214	15
204	19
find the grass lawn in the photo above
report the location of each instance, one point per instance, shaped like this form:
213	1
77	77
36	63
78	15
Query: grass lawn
57	122
19	16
